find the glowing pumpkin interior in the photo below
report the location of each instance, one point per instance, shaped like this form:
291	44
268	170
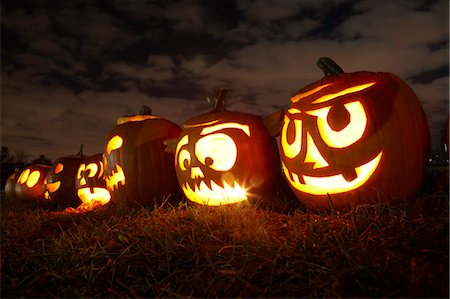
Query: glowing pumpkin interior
117	176
207	163
90	184
337	133
29	178
54	186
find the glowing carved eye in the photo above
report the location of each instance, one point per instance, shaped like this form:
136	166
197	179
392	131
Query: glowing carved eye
217	151
24	176
184	159
114	143
351	133
80	170
291	150
92	168
33	179
59	167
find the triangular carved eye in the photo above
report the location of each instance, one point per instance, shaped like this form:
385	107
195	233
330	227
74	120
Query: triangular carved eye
356	125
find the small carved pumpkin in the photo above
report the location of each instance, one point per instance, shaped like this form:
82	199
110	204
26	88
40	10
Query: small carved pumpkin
137	169
60	181
30	184
10	186
90	183
351	136
225	157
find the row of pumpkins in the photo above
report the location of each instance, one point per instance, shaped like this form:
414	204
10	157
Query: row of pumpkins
345	139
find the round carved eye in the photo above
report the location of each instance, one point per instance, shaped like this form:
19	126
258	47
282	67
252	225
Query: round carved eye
33	179
59	167
24	176
217	151
351	128
92	168
184	159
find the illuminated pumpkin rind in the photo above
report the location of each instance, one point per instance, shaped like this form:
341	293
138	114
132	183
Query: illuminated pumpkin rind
226	157
138	171
59	187
10	186
30	183
351	137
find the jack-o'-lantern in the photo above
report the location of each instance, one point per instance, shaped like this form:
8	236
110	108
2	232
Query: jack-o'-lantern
225	157
30	184
60	181
137	169
90	183
353	138
10	186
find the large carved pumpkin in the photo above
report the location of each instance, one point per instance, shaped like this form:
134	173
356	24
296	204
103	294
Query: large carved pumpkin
30	184
225	157
60	181
138	170
353	138
90	183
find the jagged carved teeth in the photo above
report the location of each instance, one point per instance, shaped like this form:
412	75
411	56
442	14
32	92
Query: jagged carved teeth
115	178
334	184
210	193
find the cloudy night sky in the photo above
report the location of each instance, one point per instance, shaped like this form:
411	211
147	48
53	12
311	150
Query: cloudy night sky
70	69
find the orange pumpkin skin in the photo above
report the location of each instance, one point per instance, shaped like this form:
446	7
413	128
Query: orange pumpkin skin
90	182
59	186
30	183
137	169
253	167
395	140
10	186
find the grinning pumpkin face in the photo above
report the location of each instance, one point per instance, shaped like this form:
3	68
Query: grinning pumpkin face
30	184
349	136
137	169
60	182
225	157
90	184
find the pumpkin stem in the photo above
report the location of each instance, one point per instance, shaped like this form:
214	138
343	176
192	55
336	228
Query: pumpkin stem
80	152
145	110
218	102
329	67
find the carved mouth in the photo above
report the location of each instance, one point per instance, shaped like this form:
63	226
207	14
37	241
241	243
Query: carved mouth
332	184
115	178
99	195
215	195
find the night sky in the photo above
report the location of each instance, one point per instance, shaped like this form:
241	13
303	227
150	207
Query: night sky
70	69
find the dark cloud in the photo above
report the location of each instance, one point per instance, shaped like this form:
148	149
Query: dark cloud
76	67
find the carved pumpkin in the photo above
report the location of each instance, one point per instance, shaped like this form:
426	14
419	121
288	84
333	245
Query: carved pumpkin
30	184
137	169
10	186
351	136
60	181
225	157
90	183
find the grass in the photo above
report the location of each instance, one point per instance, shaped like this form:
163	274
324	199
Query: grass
378	250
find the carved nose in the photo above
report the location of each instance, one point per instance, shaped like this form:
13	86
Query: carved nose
196	173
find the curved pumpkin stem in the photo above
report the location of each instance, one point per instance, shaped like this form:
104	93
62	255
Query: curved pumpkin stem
145	110
329	67
80	152
218	102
